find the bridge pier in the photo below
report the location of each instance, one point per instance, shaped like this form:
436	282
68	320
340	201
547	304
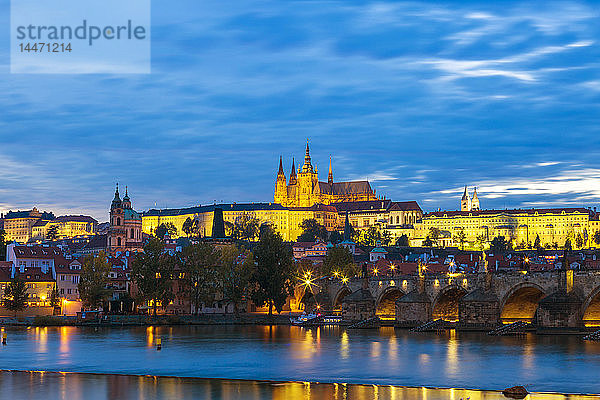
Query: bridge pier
479	309
560	311
413	309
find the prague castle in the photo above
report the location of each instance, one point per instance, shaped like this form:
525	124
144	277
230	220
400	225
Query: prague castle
304	189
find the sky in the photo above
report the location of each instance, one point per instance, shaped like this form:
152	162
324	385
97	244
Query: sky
420	98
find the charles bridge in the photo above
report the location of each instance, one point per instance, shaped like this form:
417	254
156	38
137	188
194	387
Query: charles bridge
550	300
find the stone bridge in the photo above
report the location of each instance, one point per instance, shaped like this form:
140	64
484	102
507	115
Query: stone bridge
550	300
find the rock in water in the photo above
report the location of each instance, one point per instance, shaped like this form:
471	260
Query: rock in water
515	392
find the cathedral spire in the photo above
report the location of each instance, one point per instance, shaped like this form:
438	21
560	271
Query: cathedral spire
293	172
307	167
280	166
465	194
330	176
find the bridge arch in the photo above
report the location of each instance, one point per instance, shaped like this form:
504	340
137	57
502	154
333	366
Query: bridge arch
591	309
385	307
445	305
339	296
521	302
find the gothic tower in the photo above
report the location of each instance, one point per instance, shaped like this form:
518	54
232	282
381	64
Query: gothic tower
465	202
330	176
475	201
280	185
308	182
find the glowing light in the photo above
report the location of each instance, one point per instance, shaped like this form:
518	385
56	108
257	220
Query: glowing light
336	273
436	282
526	259
345	279
524	272
43	297
375	271
392	267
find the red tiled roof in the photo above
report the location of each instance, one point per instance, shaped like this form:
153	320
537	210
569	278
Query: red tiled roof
35	274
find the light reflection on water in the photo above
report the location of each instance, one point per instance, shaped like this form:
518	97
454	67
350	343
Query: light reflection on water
327	354
74	386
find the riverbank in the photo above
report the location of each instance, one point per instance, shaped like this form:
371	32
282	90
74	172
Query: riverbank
149	320
73	385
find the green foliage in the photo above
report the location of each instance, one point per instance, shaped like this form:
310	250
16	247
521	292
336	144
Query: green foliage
568	245
499	245
273	274
164	229
461	238
198	263
597	237
579	241
245	227
481	240
15	295
403	241
190	227
54	296
52	233
537	243
152	272
339	259
434	235
335	237
427	242
93	280
312	231
2	245
372	235
235	271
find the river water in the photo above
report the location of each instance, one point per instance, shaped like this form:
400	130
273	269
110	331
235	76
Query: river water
381	357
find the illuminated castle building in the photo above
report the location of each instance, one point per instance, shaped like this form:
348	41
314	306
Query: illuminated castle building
305	190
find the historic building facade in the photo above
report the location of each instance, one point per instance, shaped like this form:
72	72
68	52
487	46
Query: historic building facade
125	231
304	189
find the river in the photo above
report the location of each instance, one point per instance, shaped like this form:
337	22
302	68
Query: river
383	357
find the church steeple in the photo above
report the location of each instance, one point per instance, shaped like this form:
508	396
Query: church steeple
280	167
330	176
293	173
307	167
116	203
126	199
465	202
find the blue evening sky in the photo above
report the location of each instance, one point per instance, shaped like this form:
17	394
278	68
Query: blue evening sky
419	98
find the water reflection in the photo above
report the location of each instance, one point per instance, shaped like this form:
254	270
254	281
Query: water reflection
72	386
327	354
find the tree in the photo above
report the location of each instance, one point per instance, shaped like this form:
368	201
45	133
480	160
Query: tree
235	270
312	230
537	243
335	237
481	240
434	235
403	241
199	266
164	229
2	244
273	273
568	245
597	237
54	297
93	280
245	227
15	295
427	242
461	238
499	245
188	226
52	233
579	241
152	272
386	237
339	259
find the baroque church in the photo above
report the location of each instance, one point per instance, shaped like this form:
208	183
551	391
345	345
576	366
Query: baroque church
304	189
125	230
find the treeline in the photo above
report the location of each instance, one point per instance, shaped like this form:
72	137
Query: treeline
201	272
